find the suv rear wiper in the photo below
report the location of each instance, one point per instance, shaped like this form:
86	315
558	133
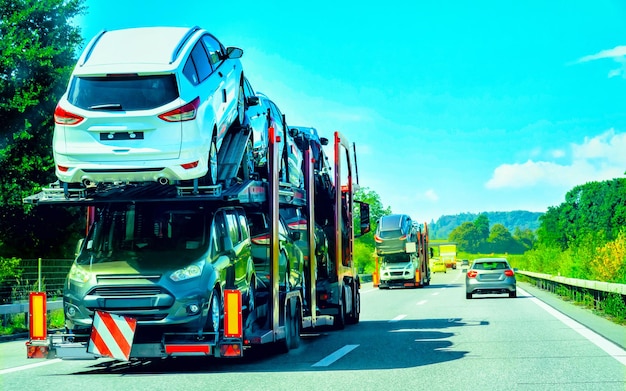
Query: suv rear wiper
106	106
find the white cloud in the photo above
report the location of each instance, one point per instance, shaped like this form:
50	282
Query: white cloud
618	54
431	195
558	153
599	158
618	51
607	146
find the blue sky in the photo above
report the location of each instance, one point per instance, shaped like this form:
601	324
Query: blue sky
454	106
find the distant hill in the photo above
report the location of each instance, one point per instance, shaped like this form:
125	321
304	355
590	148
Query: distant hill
518	218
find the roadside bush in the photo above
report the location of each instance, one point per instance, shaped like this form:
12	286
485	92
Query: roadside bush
607	263
615	307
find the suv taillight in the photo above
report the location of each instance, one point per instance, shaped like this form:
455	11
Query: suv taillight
183	113
64	117
378	239
472	274
509	273
299	225
261	239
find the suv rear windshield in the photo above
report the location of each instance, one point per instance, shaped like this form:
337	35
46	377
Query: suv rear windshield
391	234
120	92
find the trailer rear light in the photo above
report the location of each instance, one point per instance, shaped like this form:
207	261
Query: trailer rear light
189	166
35	349
261	239
183	113
64	117
230	350
187	349
298	225
509	273
472	273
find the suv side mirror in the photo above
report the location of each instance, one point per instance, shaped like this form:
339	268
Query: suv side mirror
252	100
79	245
233	52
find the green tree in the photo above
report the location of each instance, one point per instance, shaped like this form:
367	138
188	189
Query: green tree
38	45
500	239
482	227
466	236
525	237
364	246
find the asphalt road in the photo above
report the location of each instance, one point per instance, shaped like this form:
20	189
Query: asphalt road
430	338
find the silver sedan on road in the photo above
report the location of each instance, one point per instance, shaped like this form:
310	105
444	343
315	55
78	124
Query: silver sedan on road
490	275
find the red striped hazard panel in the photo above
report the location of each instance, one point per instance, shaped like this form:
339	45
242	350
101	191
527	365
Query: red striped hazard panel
112	335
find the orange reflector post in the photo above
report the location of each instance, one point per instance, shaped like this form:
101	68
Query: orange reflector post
37	325
232	314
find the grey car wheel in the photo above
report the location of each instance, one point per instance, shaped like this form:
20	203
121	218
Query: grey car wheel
215	312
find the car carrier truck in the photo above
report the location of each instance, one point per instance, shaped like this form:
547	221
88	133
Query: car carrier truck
409	268
164	270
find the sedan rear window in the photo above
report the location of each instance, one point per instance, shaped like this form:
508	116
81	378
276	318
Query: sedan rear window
490	266
121	92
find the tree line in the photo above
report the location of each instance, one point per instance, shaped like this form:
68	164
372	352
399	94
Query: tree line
585	236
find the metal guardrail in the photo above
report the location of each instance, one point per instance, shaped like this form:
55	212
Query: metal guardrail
600	286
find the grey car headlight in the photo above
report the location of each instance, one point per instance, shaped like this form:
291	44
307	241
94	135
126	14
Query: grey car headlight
78	274
188	272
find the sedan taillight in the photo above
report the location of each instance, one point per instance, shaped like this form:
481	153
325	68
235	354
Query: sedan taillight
472	274
64	117
509	273
183	113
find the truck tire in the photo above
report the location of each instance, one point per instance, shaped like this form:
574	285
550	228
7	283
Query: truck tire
284	345
295	329
339	320
355	315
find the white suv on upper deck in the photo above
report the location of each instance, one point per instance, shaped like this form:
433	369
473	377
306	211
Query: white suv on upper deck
148	104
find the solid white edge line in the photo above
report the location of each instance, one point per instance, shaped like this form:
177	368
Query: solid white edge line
29	366
421	302
609	347
397	318
331	358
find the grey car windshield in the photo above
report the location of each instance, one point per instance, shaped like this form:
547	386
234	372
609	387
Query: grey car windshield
143	230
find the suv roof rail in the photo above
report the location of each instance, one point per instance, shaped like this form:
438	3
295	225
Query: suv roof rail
92	44
182	42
